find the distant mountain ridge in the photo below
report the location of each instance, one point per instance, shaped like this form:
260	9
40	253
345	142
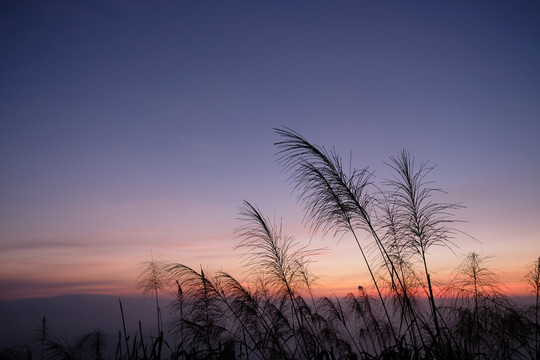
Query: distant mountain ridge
71	316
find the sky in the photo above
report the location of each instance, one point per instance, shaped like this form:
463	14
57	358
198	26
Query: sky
135	129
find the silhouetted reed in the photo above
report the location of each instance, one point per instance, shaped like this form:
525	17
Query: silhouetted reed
152	281
272	313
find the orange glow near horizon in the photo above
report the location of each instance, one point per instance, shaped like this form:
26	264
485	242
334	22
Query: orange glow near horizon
120	285
43	274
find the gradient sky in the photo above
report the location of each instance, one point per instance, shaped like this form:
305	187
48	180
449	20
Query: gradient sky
132	128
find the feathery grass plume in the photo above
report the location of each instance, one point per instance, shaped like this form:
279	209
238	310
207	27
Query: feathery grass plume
478	303
285	264
254	327
421	221
334	201
312	311
474	281
261	321
62	349
88	346
362	308
268	311
312	325
401	278
266	248
263	316
339	317
153	280
392	231
408	313
418	218
206	316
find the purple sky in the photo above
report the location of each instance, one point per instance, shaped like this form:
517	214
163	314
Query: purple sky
136	128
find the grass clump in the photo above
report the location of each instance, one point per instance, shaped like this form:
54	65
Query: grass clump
272	313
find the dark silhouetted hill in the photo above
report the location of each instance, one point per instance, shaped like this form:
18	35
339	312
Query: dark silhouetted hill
71	316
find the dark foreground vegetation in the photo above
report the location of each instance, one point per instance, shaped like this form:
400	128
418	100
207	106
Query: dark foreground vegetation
273	314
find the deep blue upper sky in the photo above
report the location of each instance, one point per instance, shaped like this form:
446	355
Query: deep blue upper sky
130	126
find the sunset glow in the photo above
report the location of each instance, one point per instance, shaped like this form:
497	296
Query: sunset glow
132	130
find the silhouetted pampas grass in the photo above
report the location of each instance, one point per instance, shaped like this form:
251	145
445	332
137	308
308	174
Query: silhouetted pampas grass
271	313
152	281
